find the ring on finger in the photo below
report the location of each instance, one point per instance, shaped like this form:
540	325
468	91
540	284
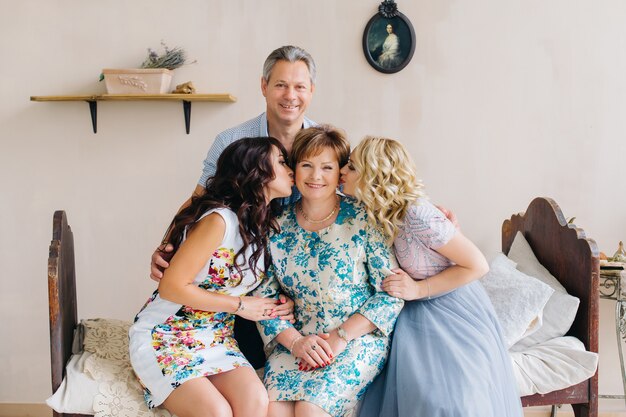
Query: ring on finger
314	347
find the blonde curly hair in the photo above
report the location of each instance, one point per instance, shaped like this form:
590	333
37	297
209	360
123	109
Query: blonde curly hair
387	183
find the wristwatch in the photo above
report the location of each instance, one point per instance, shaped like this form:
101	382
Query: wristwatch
342	333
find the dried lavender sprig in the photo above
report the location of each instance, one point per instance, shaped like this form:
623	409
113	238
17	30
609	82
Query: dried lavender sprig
171	59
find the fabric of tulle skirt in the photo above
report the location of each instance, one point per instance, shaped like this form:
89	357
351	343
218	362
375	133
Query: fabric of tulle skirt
448	359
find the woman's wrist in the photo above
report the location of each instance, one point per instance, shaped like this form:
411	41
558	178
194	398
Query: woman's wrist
293	342
240	306
342	334
422	289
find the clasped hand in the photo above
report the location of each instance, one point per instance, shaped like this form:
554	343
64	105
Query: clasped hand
318	351
401	285
257	308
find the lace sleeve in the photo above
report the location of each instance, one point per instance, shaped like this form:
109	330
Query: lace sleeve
425	230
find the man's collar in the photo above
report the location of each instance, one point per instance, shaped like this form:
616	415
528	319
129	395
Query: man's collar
265	128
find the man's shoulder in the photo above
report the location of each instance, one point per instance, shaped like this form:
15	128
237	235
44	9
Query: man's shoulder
308	123
249	128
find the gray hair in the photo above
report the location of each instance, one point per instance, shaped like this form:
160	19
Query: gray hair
288	53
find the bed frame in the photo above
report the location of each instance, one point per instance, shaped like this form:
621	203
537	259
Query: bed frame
61	299
561	247
574	260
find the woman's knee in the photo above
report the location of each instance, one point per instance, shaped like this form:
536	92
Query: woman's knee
219	409
280	409
307	409
209	406
253	399
260	399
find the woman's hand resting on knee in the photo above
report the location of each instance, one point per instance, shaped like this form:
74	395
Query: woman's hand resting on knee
337	345
314	352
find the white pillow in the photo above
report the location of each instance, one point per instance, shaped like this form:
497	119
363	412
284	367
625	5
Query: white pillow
76	392
553	365
561	308
517	298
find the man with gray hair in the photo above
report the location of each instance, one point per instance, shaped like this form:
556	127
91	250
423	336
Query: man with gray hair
287	83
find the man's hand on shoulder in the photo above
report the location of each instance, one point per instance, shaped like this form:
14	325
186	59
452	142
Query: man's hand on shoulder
160	261
450	216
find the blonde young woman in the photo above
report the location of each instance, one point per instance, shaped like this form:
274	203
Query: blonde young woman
331	261
447	357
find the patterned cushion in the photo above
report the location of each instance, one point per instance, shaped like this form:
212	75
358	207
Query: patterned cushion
517	298
560	310
105	371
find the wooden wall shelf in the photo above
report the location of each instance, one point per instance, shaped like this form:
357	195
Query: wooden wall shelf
185	98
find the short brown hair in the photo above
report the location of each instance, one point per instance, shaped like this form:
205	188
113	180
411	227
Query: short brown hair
313	140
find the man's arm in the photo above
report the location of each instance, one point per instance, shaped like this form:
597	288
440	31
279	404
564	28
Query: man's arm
162	254
160	260
450	216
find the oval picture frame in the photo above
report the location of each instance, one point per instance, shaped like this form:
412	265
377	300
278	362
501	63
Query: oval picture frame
389	52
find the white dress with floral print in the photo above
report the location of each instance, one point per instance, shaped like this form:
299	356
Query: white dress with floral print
171	343
330	274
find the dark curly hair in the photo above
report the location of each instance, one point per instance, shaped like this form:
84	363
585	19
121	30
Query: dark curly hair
243	170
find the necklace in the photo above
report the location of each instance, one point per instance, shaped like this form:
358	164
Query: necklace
332	213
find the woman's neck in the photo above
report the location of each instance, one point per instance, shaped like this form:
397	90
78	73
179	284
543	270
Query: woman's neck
316	214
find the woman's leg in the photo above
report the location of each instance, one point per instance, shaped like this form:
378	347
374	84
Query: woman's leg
307	409
197	397
243	390
281	409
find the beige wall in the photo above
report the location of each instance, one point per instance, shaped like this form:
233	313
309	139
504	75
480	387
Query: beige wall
503	101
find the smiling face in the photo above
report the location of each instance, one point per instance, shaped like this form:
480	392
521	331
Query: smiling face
349	176
317	176
288	92
281	185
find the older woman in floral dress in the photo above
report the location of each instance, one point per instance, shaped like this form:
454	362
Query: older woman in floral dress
331	261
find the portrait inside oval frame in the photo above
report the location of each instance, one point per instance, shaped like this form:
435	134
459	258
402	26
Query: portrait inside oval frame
389	42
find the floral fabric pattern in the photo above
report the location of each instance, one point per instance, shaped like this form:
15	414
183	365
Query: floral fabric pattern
330	274
171	343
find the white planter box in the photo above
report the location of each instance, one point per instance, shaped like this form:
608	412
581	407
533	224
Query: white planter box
137	81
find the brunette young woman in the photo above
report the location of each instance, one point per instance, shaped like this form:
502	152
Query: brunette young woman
181	344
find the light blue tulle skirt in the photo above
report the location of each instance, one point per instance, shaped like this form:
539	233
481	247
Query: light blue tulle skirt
448	359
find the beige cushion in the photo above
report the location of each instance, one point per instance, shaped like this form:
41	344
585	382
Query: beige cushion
552	365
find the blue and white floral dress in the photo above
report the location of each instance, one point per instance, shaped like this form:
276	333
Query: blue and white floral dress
172	343
330	274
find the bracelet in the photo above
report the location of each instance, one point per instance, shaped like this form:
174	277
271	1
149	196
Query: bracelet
241	307
341	332
293	343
